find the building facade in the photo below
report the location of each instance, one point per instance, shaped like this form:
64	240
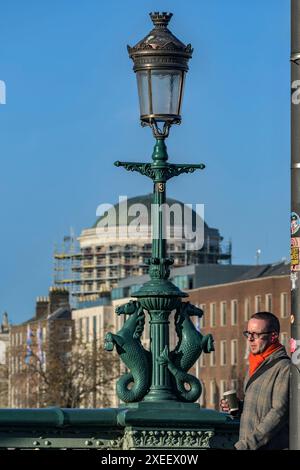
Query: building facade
33	344
91	324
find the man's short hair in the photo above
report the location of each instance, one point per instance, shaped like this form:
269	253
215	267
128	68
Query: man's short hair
273	322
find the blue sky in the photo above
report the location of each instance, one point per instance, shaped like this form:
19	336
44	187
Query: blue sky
72	110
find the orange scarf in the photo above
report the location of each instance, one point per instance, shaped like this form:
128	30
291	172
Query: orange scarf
255	360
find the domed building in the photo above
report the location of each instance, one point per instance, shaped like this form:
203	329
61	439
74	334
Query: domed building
119	244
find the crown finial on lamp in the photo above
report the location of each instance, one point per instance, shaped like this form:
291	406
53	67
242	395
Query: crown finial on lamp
160	20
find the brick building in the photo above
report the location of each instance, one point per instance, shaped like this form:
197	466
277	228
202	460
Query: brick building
228	308
52	323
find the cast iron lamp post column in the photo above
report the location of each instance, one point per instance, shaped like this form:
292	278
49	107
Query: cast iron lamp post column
160	63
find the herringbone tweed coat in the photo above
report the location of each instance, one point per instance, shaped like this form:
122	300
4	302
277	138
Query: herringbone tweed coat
264	420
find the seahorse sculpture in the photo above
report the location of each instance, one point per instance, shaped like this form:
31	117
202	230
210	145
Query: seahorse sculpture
135	357
188	349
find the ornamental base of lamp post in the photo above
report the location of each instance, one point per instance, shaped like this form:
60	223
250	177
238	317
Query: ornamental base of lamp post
176	426
159	297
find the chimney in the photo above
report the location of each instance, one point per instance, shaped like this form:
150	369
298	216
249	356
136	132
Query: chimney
41	307
4	325
58	297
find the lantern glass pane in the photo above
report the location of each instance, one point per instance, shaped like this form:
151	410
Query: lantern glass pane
165	91
182	92
142	83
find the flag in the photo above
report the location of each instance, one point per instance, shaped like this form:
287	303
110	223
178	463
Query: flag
39	335
28	344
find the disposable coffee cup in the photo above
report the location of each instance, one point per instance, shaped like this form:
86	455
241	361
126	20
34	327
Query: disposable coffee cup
232	399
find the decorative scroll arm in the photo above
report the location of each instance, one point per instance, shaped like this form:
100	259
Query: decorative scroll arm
160	172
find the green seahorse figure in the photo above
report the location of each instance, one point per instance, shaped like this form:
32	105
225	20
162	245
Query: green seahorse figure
130	349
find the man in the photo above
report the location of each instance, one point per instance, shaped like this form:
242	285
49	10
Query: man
264	418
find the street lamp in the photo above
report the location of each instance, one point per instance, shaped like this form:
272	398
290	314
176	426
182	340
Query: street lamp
160	62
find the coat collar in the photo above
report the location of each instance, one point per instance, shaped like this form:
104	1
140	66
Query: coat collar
278	353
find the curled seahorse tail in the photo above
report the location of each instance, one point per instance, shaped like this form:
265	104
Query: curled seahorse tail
195	388
135	393
182	378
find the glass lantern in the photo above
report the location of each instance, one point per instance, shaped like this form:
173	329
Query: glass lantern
160	62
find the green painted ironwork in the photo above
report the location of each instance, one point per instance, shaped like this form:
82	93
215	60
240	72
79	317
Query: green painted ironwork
136	426
159	297
190	345
129	347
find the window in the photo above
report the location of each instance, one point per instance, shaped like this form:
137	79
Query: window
213	392
257	303
202	306
80	328
284	340
213	314
202	319
269	302
202	396
234	312
66	333
212	358
234	352
247	352
234	384
284	309
223	313
94	327
223	352
223	387
247	309
202	360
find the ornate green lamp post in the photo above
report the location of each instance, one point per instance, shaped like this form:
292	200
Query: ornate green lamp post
158	391
160	63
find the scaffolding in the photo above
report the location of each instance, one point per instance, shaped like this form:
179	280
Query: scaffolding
66	258
90	272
